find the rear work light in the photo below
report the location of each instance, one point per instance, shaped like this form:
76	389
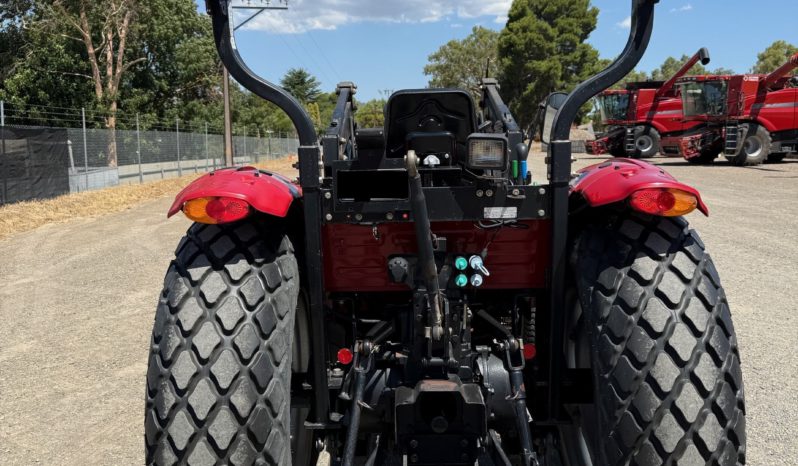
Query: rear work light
215	209
666	202
487	152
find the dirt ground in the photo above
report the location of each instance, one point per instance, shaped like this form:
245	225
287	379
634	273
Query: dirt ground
77	302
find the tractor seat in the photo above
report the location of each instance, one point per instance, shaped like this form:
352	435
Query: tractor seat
429	121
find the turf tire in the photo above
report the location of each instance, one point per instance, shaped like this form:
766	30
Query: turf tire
666	366
219	373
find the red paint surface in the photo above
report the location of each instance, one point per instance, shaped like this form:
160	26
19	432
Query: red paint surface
354	260
616	180
266	192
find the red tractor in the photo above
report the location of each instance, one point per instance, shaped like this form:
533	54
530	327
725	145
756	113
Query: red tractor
413	299
640	115
751	118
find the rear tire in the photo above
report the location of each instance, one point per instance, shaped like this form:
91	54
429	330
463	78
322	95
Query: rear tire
755	148
666	367
647	142
219	375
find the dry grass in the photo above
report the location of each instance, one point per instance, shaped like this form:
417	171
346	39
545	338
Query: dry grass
25	216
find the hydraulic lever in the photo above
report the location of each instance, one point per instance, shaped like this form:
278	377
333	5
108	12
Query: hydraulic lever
426	257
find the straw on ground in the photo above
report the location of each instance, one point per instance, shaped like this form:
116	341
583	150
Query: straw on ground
25	216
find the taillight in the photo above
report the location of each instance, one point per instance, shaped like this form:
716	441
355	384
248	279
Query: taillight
215	209
666	202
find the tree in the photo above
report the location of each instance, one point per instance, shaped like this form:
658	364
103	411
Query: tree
371	114
462	63
104	29
301	84
542	49
774	56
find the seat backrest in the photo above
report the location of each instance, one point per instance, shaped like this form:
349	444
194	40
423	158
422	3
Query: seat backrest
411	112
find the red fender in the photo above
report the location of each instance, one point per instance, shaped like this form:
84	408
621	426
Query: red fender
267	192
615	180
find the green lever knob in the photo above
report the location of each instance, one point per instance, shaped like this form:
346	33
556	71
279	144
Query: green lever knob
461	280
461	263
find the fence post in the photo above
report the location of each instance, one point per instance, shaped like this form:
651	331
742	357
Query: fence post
245	145
85	148
138	149
206	146
269	134
177	135
257	146
3	153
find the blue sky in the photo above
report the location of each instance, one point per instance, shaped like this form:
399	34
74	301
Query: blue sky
382	45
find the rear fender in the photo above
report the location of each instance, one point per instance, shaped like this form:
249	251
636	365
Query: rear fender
615	180
267	192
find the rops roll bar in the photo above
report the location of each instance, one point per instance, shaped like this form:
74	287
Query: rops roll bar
560	175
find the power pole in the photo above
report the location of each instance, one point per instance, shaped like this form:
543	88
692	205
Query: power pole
228	125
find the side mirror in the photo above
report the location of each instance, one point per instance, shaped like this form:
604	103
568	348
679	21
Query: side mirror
550	107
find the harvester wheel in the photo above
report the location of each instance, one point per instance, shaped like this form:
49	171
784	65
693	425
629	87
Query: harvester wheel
219	374
755	148
647	142
666	369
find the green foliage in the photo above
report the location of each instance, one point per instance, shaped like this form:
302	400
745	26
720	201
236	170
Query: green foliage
462	63
542	49
301	84
774	56
371	114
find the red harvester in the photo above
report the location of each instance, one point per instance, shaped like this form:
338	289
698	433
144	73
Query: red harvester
640	115
751	118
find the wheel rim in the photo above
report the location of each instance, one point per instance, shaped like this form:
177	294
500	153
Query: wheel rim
644	143
752	147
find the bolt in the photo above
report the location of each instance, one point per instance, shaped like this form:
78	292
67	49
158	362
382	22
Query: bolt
542	190
480	193
328	217
541	212
414	443
489	193
464	443
389	216
327	195
358	217
516	192
414	458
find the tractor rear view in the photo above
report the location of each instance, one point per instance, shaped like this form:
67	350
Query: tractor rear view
638	116
750	118
414	299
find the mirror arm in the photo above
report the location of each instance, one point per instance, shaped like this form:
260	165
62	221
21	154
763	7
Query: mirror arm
222	15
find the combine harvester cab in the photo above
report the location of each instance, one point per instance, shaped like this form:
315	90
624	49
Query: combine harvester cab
750	118
639	116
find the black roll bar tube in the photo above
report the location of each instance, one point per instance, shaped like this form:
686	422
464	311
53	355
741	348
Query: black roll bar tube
221	12
560	174
309	153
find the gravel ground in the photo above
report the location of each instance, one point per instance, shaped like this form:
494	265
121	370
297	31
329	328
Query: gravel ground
77	302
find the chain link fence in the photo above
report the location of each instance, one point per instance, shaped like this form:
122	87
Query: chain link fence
35	161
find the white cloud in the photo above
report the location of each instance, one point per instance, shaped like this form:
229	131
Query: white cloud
304	15
682	8
626	23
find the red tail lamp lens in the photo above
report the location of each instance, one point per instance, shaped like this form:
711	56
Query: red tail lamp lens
530	351
666	202
345	356
215	209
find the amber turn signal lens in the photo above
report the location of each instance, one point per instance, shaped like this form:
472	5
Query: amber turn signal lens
666	202
214	210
